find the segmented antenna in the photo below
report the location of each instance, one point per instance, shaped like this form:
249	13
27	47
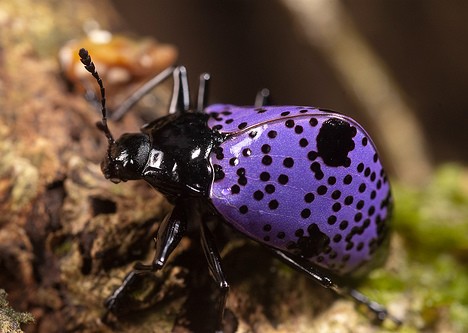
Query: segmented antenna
89	66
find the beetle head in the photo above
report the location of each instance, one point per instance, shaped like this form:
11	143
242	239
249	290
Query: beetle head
126	157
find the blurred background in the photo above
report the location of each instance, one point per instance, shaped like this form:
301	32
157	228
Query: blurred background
246	45
68	236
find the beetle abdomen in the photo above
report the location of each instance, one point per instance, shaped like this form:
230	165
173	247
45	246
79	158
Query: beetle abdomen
310	183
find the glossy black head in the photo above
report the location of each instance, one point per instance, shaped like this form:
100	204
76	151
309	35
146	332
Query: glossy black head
126	157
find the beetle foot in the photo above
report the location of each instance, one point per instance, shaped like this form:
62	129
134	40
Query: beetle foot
109	303
384	315
155	266
139	266
112	302
119	297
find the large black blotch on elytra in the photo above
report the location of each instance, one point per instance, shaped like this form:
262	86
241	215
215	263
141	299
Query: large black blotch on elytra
311	245
335	141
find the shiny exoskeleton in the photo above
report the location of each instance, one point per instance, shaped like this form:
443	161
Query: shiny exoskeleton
306	182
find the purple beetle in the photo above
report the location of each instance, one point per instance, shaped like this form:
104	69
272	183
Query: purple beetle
305	182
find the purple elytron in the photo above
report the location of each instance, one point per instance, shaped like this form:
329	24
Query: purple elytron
302	180
306	182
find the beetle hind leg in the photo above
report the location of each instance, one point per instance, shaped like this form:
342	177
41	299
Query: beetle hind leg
378	310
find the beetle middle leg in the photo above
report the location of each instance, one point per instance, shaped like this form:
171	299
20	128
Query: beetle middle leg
302	265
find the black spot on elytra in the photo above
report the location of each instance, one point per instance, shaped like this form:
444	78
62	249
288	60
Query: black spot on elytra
219	173
311	245
335	141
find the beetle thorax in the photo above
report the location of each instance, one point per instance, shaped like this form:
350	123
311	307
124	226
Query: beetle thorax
178	162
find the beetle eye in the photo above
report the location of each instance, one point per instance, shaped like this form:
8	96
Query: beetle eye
115	180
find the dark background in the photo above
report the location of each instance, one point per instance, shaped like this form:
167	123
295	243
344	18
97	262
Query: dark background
247	45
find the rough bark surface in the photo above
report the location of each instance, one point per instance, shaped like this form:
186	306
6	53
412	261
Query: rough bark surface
68	237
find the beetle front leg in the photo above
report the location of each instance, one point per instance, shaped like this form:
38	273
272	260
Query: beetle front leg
380	311
214	264
169	234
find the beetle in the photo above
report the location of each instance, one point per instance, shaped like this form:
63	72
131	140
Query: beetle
305	182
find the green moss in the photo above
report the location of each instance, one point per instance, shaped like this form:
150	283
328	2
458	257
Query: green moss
429	275
435	219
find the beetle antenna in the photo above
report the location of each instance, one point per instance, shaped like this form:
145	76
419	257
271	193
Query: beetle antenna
89	66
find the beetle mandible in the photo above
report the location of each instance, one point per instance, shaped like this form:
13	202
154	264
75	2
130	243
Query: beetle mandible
306	182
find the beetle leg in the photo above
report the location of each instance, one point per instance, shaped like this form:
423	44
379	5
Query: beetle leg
180	95
112	301
380	311
214	264
140	93
262	98
203	90
169	234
